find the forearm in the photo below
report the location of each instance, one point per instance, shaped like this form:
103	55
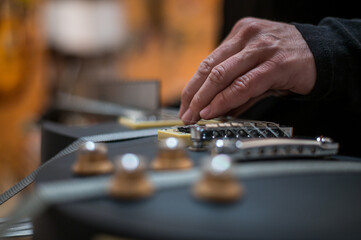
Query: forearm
336	46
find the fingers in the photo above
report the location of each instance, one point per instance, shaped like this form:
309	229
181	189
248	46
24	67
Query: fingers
219	78
242	32
248	86
223	52
223	75
256	57
195	83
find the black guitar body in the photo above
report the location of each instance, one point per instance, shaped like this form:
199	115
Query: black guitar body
308	205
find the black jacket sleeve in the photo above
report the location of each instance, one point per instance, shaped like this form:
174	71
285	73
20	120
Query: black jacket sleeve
336	47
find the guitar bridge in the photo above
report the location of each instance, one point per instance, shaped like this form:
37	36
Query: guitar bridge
201	136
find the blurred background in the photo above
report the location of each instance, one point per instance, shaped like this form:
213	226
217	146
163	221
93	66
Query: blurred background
51	46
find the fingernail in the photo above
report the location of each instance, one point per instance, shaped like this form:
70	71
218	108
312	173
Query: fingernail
187	116
205	112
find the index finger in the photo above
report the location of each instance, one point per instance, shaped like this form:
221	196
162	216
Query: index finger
224	51
223	75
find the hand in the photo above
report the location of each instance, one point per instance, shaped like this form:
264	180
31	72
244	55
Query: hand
258	58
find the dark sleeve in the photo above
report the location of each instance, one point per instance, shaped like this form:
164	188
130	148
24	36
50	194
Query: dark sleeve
336	46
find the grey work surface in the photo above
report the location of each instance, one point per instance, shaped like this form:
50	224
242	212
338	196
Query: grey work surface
287	206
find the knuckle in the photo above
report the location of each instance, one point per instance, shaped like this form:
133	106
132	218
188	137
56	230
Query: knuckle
271	64
205	66
186	95
217	75
196	102
267	40
245	21
242	22
242	84
281	58
238	24
252	27
248	52
269	37
222	100
227	46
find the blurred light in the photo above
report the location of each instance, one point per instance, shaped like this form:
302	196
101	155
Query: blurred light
219	143
220	163
171	142
84	27
239	144
90	146
130	161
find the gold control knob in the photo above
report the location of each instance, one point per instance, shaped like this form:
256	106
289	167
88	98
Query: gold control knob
130	180
92	159
218	183
171	155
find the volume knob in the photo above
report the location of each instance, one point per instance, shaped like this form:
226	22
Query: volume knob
171	155
130	180
218	183
92	159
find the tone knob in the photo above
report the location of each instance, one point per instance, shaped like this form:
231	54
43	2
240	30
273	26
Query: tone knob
92	159
171	155
130	180
218	183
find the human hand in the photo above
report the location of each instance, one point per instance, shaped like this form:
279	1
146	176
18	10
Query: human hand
258	58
